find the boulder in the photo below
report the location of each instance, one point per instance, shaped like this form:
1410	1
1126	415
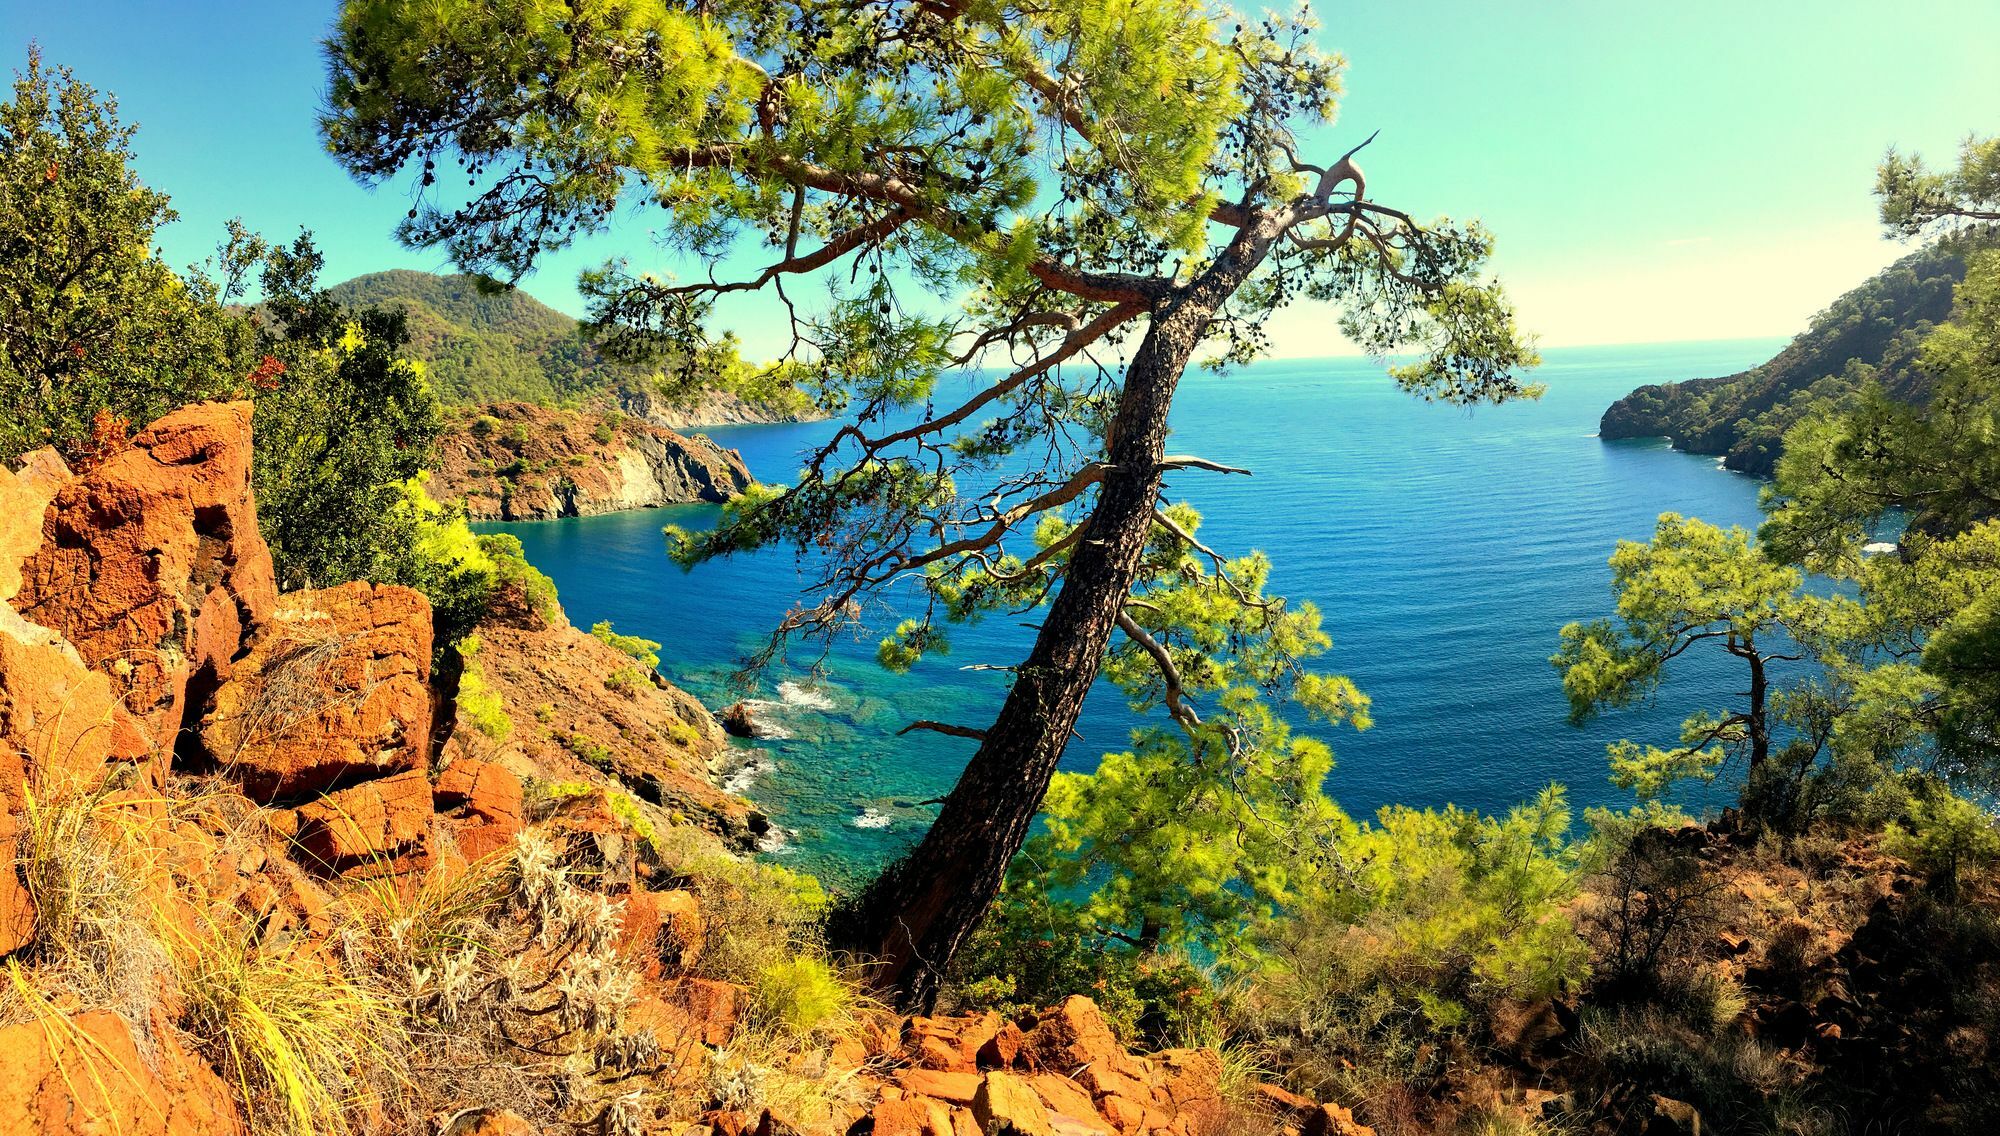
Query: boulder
335	691
911	1116
1072	1036
1006	1104
60	722
484	804
86	1074
488	1122
25	495
737	721
151	564
1333	1120
376	828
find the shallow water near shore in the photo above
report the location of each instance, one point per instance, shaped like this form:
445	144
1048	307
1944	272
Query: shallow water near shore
1445	547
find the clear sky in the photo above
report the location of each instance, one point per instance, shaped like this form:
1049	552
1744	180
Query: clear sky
1696	170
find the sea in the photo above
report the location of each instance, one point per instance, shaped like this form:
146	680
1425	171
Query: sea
1445	547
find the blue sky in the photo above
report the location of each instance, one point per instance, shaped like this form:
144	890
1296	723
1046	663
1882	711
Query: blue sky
1654	172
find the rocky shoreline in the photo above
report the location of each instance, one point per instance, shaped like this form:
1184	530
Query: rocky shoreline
515	461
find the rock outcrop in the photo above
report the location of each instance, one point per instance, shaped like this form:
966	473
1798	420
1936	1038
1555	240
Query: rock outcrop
577	709
151	565
516	461
336	691
87	1074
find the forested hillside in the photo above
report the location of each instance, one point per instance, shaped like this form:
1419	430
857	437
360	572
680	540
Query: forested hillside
1870	332
484	347
487	347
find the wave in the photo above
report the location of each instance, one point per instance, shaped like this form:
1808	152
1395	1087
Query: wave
740	779
1879	547
869	818
798	695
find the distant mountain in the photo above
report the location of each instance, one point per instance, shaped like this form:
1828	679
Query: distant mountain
507	346
1871	332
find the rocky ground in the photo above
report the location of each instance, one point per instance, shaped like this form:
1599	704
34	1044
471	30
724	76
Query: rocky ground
515	461
300	794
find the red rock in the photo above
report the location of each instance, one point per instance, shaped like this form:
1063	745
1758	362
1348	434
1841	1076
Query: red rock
1004	1099
59	722
1191	1079
1064	1097
911	1116
485	802
957	1088
336	691
371	829
715	1007
17	907
1071	1036
683	930
85	1074
24	500
488	1122
1001	1050
151	564
1333	1120
663	932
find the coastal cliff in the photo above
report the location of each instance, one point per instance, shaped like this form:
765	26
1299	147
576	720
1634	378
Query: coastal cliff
1869	333
514	461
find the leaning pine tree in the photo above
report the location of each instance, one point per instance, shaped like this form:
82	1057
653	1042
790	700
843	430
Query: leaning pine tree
1103	189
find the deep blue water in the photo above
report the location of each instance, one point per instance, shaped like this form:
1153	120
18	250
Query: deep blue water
1444	546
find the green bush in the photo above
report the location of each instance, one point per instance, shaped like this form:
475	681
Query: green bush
477	703
801	995
1946	836
484	426
643	650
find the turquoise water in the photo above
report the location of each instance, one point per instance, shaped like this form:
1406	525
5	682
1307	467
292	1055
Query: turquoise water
1445	547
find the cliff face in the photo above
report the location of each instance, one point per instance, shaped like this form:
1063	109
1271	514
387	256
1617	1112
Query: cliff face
1871	332
712	408
519	462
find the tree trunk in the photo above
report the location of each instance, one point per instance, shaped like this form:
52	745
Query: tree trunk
1760	727
951	878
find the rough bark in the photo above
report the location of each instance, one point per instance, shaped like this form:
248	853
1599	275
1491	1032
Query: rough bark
957	870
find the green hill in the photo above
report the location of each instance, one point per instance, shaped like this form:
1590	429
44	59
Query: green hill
1871	332
490	347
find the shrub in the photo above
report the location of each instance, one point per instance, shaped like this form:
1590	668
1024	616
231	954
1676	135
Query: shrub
295	1033
603	433
801	995
484	426
1947	836
643	650
478	703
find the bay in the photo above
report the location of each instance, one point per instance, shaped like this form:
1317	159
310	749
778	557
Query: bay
1445	547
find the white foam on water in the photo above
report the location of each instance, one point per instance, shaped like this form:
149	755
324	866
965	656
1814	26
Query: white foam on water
803	697
740	779
1880	546
869	818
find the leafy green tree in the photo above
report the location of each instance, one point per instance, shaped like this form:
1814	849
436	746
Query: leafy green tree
1085	182
1692	586
1932	608
1947	836
96	332
1916	199
342	421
